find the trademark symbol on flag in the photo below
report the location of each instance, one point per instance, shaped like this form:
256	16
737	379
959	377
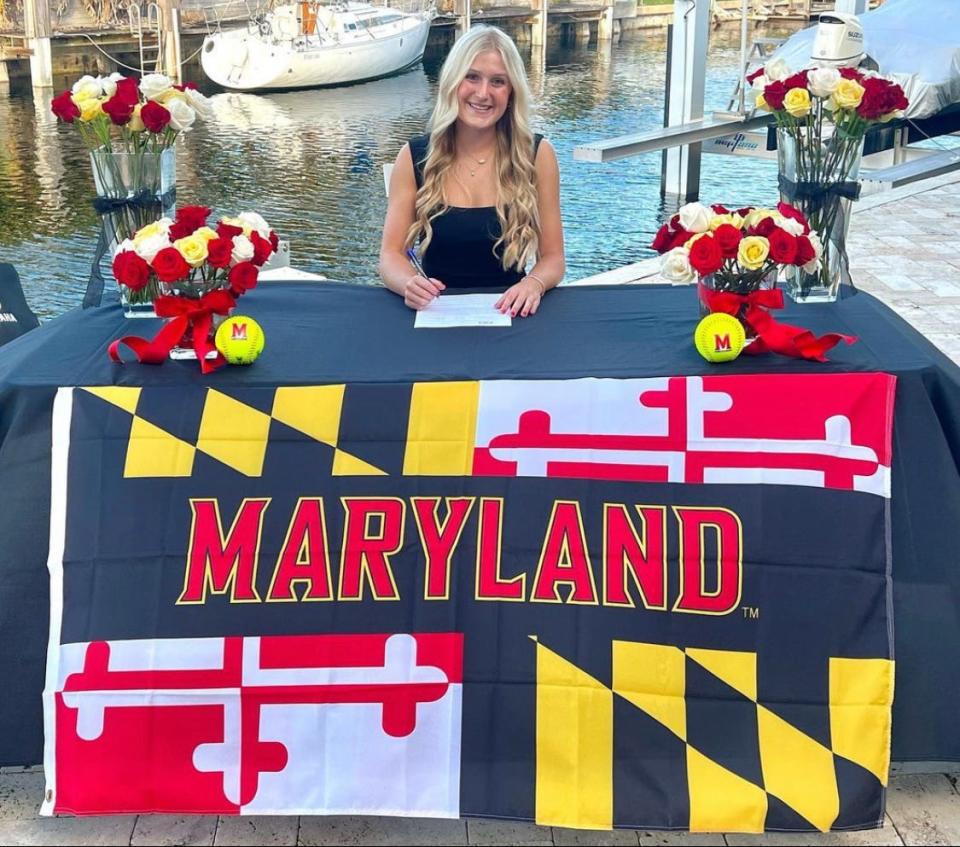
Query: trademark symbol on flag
751	612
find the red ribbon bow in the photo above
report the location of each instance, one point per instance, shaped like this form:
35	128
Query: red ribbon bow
772	335
185	312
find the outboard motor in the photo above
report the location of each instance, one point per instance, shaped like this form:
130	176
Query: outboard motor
838	42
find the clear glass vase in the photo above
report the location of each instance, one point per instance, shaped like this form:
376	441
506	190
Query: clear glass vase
820	177
743	285
133	190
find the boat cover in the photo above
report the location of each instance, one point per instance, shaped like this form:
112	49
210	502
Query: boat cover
916	42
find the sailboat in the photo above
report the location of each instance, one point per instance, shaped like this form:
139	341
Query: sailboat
307	44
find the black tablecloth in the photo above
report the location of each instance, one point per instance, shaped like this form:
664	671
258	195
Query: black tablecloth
331	333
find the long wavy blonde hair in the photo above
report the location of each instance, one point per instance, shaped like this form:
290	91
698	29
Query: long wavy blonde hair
516	185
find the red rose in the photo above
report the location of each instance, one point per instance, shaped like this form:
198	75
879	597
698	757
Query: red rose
663	239
746	210
64	108
720	210
752	76
188	220
219	252
774	94
851	73
783	246
170	266
705	255
805	251
119	109
764	228
261	248
127	90
228	231
794	213
185	86
155	117
728	239
880	97
243	277
130	270
798	80
274	241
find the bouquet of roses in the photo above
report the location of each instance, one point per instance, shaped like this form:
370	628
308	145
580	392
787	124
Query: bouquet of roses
138	117
738	256
739	249
822	115
194	272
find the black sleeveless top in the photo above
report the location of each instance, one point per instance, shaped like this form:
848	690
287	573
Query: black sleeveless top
461	252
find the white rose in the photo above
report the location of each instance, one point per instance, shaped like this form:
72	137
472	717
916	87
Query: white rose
242	249
675	266
822	82
254	222
149	247
791	225
200	104
695	217
86	88
124	246
182	116
109	83
776	71
155	85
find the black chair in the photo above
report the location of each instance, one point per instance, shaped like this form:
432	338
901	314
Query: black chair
16	318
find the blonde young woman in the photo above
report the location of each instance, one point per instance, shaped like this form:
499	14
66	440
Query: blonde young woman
480	195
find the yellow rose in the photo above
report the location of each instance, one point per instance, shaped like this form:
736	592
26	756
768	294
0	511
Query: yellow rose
136	122
150	231
848	95
757	215
193	248
719	220
206	233
738	220
761	103
90	109
753	252
171	94
797	102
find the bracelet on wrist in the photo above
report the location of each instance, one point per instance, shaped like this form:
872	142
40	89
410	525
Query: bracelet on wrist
543	285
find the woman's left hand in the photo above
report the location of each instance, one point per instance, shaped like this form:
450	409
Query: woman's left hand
521	299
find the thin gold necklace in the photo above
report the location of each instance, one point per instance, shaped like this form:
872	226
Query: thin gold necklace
480	163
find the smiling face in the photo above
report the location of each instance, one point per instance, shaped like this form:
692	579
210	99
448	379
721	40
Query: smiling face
484	94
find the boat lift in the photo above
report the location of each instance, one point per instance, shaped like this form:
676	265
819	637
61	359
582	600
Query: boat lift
686	130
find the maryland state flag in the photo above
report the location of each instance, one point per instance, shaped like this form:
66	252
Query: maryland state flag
646	603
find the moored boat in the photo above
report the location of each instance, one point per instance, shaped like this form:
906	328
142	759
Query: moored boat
307	44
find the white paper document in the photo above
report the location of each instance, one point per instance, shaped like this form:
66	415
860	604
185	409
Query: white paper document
461	310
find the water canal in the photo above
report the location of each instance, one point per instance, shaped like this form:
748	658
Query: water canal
311	163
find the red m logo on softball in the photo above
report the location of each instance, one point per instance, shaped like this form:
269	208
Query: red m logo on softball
238	332
721	342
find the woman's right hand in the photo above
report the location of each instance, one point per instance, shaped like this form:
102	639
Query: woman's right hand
419	291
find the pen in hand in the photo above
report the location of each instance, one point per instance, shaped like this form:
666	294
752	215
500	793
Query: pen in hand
418	267
415	261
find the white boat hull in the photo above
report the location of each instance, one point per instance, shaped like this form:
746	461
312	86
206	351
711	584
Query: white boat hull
242	60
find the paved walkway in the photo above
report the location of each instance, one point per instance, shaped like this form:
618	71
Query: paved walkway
904	249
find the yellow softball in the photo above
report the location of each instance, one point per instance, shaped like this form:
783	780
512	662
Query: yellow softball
240	339
719	337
